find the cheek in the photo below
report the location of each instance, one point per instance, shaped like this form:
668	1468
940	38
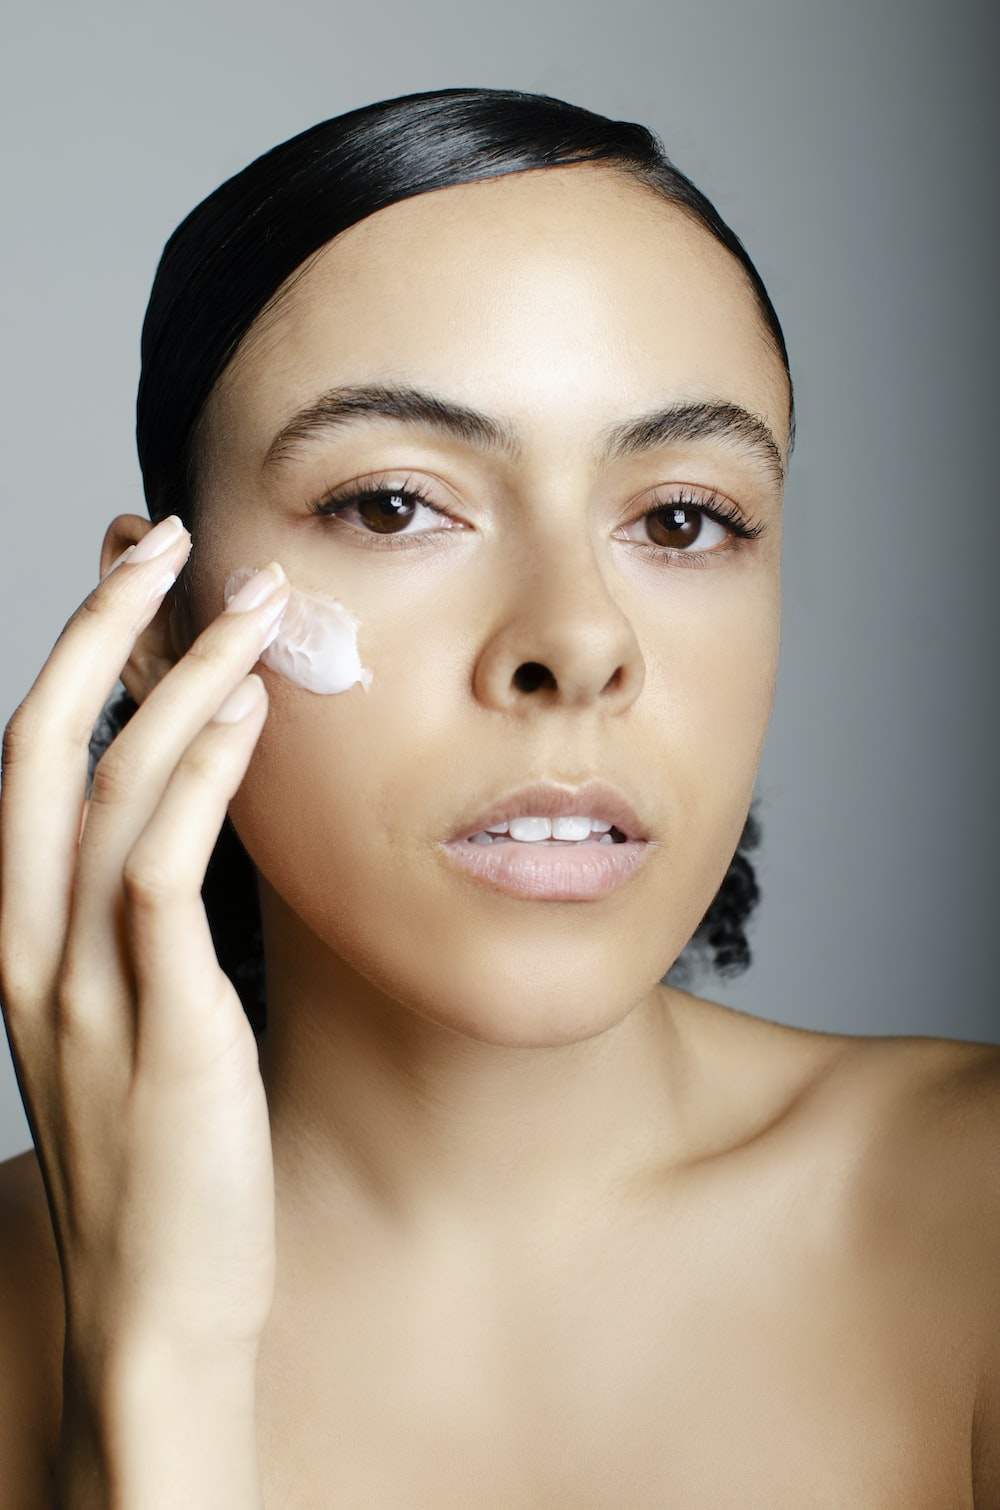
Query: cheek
709	689
710	675
345	793
340	786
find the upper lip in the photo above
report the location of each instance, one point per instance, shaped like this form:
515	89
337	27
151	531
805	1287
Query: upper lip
591	799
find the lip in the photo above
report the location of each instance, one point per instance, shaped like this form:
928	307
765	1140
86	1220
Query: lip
594	799
581	872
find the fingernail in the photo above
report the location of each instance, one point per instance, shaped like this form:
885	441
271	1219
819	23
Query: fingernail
158	586
240	702
263	585
126	555
160	538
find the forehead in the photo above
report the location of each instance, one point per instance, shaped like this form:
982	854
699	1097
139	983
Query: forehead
568	294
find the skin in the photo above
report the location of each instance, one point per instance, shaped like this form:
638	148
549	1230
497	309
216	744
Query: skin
560	1234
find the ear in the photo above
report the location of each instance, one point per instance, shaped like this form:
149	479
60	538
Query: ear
161	643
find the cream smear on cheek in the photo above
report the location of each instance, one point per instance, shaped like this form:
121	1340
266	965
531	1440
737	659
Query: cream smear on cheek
316	644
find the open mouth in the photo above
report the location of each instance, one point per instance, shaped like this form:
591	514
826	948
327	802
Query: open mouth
554	843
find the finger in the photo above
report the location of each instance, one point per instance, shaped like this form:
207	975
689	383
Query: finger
188	1014
131	778
46	749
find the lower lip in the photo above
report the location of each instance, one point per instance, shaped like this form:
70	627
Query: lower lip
582	872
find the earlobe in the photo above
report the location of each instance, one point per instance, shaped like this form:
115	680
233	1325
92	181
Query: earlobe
160	644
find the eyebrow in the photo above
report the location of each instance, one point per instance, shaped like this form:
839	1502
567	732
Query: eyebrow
729	423
725	422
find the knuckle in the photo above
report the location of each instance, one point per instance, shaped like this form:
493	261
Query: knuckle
200	765
92	607
86	617
76	988
115	778
73	1001
206	649
149	881
19	737
23	972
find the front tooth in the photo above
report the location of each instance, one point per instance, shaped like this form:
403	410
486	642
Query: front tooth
530	829
598	827
497	828
571	828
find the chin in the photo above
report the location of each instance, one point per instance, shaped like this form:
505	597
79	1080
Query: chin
540	1014
548	992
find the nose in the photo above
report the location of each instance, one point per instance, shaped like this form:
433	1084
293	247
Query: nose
561	641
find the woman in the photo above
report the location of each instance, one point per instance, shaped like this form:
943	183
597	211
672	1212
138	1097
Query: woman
489	1216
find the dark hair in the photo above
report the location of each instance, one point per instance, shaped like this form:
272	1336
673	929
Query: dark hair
232	255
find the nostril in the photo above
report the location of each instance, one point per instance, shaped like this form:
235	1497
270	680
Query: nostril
532	675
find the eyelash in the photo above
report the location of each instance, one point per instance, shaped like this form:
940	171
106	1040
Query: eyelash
712	506
370	490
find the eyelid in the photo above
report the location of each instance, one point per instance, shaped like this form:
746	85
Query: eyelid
395	481
708	501
336	501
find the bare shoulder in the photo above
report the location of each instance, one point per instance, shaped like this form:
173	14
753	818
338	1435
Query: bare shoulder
913	1124
893	1145
927	1115
905	1134
934	1109
31	1328
920	1116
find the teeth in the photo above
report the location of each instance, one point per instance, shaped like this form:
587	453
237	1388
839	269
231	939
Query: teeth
530	830
536	830
571	828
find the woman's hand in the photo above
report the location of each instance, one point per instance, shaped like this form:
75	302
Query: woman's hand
136	1062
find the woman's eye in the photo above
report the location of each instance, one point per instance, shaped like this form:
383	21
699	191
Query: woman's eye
679	527
386	511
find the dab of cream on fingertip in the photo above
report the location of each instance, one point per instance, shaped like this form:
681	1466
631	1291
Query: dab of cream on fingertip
316	643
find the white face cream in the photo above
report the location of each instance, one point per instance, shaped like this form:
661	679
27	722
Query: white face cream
316	646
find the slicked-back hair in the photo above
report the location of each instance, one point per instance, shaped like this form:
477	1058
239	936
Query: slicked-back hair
232	256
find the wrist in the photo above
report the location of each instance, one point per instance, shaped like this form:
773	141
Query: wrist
153	1426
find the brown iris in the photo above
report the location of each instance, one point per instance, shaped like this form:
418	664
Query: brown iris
674	526
386	513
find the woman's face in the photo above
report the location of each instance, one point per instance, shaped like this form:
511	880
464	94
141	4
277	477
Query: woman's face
582	319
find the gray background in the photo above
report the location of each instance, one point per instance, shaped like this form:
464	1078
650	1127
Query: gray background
851	143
